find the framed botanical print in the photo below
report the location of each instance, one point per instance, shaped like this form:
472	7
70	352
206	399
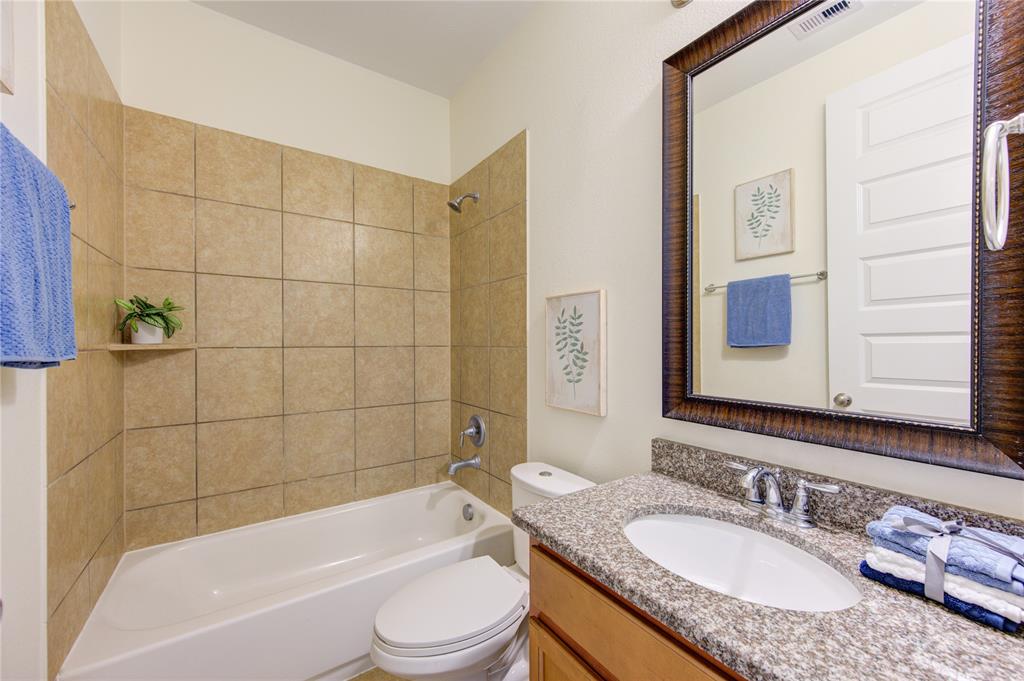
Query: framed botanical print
575	352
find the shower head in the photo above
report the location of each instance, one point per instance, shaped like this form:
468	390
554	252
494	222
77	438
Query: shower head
456	204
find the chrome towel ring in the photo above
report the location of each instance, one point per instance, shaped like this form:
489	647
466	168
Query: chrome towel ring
995	181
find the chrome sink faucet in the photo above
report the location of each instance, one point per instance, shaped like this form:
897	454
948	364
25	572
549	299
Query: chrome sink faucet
771	504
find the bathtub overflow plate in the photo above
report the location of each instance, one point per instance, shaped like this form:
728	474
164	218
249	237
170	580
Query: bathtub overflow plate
467	512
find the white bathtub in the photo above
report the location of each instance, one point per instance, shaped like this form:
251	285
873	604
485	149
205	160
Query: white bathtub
291	599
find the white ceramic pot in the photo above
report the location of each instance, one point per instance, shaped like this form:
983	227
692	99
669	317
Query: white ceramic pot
147	335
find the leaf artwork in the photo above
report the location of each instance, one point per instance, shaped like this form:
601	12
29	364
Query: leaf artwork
569	346
767	204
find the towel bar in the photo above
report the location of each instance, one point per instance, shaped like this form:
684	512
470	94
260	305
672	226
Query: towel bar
820	275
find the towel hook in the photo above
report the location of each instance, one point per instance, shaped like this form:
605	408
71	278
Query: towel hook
995	181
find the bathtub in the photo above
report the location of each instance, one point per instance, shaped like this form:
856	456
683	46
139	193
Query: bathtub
292	598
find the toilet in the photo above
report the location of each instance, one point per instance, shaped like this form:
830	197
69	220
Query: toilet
467	621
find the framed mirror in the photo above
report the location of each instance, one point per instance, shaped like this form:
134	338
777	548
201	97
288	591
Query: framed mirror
824	277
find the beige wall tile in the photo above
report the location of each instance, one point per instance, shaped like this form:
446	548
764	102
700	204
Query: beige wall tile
318	314
383	257
159	230
475	316
67	58
159	152
105	282
240	508
456	373
310	495
430	208
160	388
384	376
318	379
64	625
317	250
159	466
508	312
508	381
238	383
237	169
500	495
455	258
80	290
433	429
508	175
159	524
237	455
476	180
384	435
455	318
317	185
102	565
433	374
374	482
383	199
432	321
507	249
474	249
432	268
67	157
475	376
106	396
67	415
106	115
508	444
242	240
67	532
105	471
384	316
475	481
318	444
238	312
429	471
159	284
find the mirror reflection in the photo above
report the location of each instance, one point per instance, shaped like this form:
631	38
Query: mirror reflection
832	213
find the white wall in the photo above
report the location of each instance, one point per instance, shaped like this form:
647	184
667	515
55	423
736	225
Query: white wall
23	409
184	60
585	79
102	19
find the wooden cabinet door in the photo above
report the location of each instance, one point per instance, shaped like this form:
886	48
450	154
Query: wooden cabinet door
552	661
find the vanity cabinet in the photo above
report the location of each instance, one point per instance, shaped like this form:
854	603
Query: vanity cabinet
580	630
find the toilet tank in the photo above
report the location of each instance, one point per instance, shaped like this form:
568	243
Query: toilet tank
533	482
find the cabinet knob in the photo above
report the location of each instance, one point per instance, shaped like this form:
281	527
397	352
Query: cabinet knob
842	400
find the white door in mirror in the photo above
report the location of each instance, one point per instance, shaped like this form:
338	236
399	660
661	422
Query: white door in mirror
899	176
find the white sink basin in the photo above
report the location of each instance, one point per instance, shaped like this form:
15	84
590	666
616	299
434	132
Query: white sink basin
741	562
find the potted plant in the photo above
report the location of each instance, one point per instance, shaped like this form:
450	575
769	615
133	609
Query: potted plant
157	322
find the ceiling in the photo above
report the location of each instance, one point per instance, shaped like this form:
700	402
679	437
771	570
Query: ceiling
431	44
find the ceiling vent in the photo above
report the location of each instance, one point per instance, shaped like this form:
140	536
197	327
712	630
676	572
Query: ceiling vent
815	21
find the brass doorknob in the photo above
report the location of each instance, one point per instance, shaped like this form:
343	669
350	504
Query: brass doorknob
842	400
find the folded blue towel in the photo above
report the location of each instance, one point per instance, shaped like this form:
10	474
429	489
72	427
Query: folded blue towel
974	612
1013	587
963	553
37	322
759	312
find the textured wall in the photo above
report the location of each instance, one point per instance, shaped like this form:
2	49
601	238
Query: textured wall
488	256
84	397
316	291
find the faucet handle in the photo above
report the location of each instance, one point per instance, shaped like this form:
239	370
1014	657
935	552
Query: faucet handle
739	466
801	510
752	494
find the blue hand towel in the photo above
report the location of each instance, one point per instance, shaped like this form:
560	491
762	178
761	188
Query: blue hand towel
963	553
1010	587
974	612
759	312
37	322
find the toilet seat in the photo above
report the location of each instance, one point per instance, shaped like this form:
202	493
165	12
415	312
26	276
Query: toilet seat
450	609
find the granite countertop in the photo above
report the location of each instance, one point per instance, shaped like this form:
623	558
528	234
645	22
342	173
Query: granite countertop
887	635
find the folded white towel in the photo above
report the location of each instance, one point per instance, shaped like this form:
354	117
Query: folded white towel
1010	606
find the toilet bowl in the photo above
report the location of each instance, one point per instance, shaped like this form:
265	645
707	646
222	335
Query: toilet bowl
468	621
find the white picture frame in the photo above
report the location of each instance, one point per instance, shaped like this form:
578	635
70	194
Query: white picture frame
575	355
763	216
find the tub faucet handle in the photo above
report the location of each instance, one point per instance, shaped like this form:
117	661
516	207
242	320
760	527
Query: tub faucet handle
476	432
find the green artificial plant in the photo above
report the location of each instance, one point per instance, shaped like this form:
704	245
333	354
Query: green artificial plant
139	309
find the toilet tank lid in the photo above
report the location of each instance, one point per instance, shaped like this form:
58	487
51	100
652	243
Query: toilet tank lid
547	480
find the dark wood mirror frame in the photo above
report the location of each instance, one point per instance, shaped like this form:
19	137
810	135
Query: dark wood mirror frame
995	442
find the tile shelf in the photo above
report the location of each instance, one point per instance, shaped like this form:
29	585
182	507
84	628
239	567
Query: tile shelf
132	347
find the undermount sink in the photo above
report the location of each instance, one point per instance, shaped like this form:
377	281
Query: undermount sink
741	563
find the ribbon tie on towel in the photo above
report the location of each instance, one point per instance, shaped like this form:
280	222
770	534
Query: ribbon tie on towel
942	534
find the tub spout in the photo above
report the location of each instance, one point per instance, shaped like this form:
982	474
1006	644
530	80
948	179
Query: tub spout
457	466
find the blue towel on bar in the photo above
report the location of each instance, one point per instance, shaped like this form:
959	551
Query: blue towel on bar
965	554
974	612
759	312
37	321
